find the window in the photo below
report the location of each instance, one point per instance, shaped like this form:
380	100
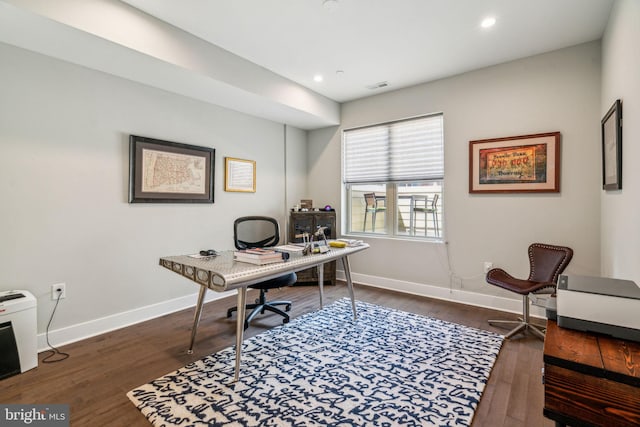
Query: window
393	176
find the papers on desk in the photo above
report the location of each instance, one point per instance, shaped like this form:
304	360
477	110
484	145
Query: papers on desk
260	256
351	243
290	248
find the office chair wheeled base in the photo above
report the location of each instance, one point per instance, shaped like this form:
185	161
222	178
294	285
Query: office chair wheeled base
523	323
261	305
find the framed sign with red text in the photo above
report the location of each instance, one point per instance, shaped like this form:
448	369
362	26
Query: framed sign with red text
515	164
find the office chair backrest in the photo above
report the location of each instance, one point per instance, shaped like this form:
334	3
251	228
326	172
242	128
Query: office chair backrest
255	232
547	262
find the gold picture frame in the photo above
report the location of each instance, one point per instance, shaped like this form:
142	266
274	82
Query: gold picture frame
515	164
239	175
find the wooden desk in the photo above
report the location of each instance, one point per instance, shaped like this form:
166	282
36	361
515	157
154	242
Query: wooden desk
223	273
590	379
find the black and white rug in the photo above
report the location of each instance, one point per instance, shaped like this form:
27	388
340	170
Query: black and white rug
388	368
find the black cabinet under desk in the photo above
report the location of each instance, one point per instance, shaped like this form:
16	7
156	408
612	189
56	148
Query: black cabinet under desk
301	222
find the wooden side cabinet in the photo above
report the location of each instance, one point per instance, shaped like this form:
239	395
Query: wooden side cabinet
590	379
300	222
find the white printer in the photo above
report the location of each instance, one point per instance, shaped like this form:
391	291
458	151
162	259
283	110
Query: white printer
18	332
599	304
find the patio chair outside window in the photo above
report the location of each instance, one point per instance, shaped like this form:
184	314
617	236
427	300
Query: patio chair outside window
421	205
371	202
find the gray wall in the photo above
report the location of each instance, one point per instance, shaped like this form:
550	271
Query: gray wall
557	91
620	80
64	181
296	179
64	178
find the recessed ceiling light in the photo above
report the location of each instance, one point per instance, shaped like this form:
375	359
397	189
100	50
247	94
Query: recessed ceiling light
488	22
330	4
318	78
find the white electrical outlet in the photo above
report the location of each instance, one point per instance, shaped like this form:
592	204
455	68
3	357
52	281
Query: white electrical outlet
487	266
58	288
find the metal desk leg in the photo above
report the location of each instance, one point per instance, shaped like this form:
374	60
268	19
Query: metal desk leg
196	317
347	273
321	282
242	298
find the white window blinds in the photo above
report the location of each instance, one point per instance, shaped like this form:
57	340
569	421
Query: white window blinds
408	150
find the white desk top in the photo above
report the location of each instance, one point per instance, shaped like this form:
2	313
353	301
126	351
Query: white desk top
222	273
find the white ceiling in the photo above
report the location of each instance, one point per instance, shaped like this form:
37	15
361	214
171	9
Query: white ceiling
259	56
402	42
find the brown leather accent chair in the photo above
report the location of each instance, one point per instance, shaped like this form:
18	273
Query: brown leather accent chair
546	263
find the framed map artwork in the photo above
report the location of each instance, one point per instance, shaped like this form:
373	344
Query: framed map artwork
515	164
169	172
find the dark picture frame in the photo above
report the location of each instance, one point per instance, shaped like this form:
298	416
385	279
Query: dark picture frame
611	130
515	164
169	172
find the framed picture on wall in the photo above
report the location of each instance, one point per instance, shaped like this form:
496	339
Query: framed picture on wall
515	164
239	175
611	126
169	172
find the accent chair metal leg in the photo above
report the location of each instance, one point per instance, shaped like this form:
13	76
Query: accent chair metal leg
523	324
536	331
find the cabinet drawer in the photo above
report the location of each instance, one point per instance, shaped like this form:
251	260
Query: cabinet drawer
588	398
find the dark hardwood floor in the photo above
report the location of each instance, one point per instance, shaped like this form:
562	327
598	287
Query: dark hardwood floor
101	370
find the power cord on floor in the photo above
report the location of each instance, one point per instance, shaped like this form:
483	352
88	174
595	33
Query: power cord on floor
453	277
54	351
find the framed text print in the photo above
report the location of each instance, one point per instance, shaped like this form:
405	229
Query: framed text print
515	164
239	175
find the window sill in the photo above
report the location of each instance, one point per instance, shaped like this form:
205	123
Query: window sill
412	239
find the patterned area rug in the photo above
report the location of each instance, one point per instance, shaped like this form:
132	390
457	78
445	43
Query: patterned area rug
387	368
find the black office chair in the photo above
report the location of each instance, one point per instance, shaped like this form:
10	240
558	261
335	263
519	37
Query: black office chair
261	232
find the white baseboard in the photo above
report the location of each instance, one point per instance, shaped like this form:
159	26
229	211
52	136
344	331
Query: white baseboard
95	327
438	292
